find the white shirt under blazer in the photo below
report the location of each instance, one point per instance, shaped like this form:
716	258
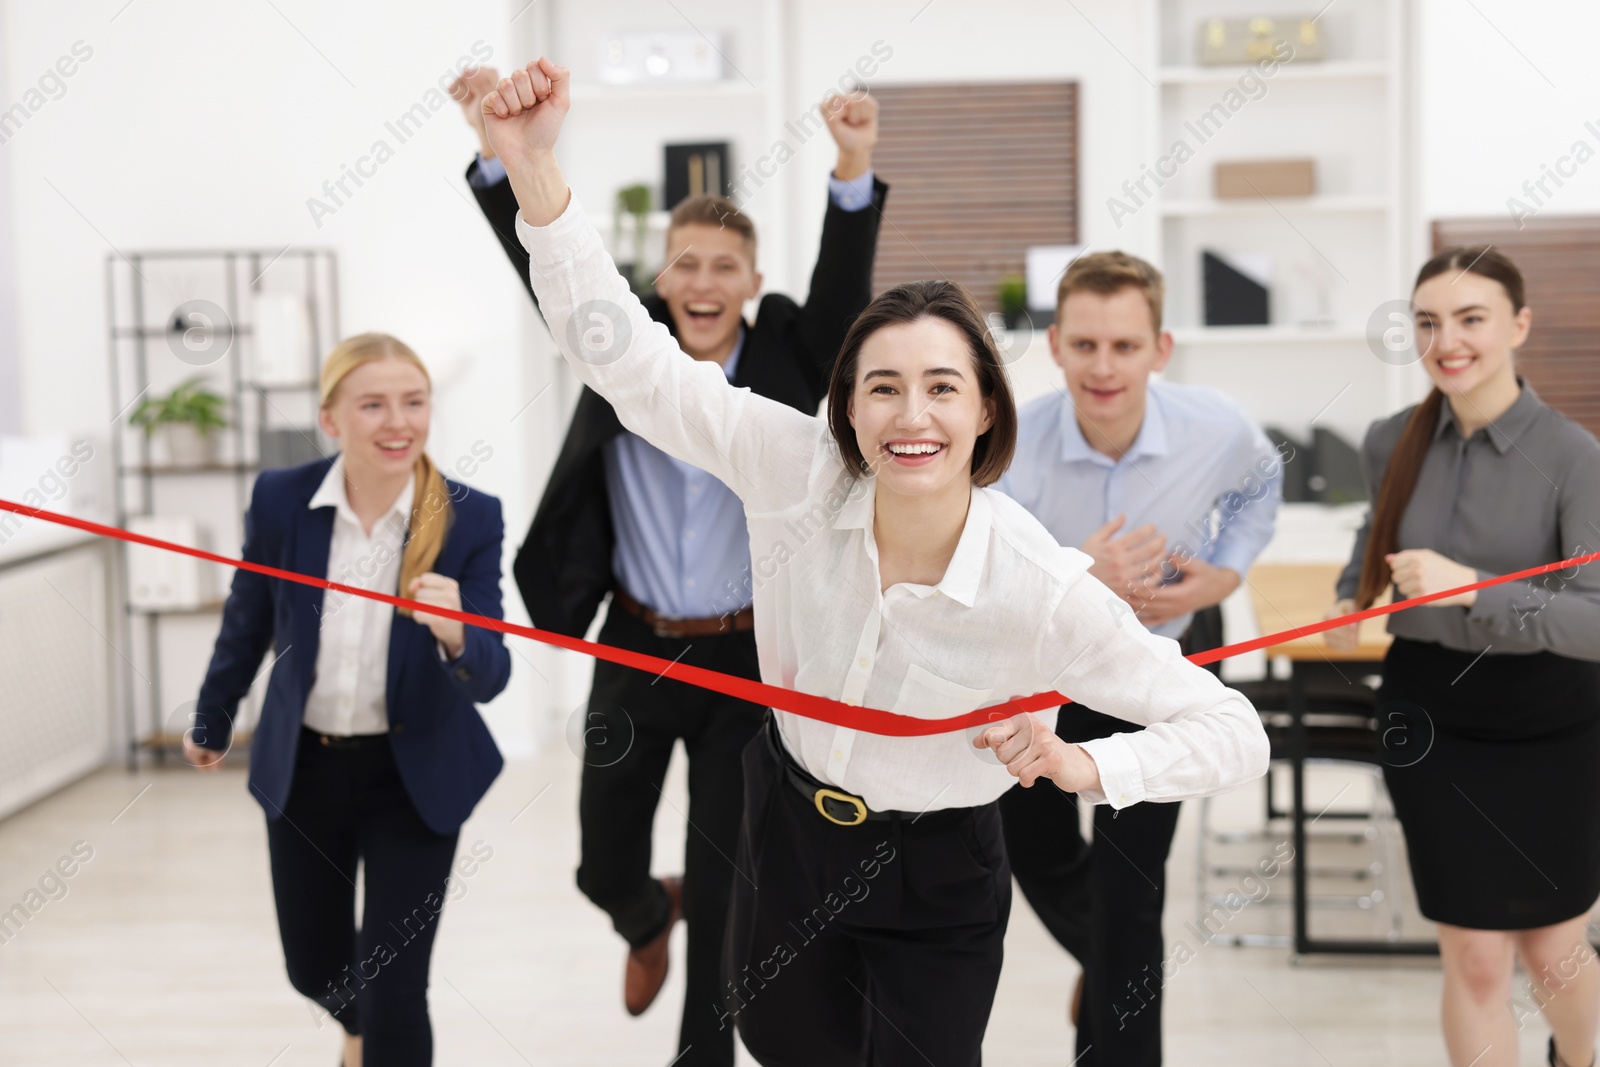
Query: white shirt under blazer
347	697
1015	614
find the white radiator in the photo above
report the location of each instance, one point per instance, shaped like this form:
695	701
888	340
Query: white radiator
55	693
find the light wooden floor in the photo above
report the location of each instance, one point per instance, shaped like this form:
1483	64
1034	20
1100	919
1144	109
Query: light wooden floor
163	948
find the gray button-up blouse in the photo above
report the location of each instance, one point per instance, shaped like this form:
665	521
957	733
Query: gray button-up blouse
1521	492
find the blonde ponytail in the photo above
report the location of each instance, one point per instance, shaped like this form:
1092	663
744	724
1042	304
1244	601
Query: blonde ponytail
431	513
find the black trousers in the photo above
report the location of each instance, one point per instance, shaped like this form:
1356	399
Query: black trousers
634	720
1102	901
876	944
348	806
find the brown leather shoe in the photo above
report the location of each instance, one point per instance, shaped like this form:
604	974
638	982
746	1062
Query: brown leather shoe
647	965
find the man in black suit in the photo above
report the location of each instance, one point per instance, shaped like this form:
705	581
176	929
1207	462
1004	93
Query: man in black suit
668	543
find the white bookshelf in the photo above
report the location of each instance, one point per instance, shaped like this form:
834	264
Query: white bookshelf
621	143
709	93
1325	71
1336	255
1239	336
1314	205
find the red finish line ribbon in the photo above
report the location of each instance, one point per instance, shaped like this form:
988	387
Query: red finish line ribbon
808	705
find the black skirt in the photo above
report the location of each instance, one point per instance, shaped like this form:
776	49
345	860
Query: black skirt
1493	763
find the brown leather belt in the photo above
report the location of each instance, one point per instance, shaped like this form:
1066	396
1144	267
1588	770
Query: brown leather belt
670	626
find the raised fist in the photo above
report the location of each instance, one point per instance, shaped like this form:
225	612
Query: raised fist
853	124
468	90
522	115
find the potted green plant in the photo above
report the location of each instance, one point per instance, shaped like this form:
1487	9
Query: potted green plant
187	418
1013	298
634	202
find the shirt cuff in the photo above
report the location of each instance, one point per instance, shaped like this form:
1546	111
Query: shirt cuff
1121	778
488	172
1493	604
852	195
548	246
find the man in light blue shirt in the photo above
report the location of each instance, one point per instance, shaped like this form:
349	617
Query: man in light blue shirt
1172	489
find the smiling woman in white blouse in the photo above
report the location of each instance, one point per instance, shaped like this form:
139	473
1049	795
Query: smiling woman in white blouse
872	889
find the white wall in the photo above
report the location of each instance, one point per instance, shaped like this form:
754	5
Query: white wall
203	125
10	369
1002	40
1507	90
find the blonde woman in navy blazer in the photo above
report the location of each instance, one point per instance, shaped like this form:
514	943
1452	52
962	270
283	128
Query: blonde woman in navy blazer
370	749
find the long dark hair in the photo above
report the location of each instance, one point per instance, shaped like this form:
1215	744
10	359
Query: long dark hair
991	453
1405	465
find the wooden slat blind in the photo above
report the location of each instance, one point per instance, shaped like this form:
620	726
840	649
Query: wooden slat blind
1560	262
980	172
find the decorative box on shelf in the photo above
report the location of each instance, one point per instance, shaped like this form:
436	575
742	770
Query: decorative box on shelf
660	57
1233	41
1241	180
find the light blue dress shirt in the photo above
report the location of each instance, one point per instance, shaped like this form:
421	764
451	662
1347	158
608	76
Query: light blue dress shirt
1200	470
682	544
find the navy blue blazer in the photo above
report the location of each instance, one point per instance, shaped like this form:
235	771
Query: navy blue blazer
445	754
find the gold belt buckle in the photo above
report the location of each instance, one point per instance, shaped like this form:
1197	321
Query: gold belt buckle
833	794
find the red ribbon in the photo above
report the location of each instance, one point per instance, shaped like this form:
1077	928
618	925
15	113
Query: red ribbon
823	709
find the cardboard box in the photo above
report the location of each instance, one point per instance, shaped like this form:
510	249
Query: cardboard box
1273	177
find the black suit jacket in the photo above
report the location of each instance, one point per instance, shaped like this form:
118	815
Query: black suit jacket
563	569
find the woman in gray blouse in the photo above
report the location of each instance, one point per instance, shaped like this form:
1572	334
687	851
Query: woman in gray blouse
1500	687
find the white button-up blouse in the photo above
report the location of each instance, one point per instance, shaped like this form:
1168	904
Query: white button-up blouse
1015	613
349	694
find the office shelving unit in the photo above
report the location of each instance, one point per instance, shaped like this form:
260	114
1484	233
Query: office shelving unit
1338	255
145	293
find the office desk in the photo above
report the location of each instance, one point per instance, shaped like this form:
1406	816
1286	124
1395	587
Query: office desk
1287	595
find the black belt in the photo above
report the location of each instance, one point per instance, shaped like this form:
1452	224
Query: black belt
343	741
840	808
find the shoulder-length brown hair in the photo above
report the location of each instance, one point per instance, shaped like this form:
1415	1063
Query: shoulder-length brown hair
991	453
1405	465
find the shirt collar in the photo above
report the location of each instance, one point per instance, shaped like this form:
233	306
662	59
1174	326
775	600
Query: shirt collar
960	581
856	511
331	494
1504	431
730	366
1151	439
961	576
